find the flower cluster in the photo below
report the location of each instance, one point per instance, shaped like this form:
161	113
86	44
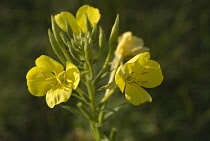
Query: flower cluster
80	40
78	37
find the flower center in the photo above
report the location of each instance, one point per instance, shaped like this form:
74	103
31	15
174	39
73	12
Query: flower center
135	78
61	77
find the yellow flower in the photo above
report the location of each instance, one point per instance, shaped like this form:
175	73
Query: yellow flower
78	23
138	72
49	78
129	45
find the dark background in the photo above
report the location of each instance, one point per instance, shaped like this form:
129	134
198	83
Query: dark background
178	35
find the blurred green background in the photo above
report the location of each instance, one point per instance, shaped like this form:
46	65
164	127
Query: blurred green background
178	35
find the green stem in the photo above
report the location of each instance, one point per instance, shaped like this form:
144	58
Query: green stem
95	126
108	94
79	97
101	114
90	89
104	66
96	131
91	71
82	94
113	133
85	111
93	130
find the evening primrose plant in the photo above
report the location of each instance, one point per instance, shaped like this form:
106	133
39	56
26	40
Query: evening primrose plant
79	43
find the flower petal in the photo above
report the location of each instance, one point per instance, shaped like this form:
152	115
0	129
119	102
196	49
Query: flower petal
129	45
92	13
40	80
134	59
49	64
57	95
128	68
136	95
61	19
120	78
143	58
151	75
72	75
69	65
139	49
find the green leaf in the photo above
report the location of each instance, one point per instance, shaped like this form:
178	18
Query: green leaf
113	111
108	86
73	110
108	110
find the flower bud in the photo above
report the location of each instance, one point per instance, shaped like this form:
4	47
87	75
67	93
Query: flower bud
69	30
56	33
73	52
101	43
87	24
88	53
55	46
102	39
114	34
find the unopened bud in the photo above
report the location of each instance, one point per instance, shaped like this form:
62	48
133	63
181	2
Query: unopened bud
114	34
73	52
87	24
55	46
56	33
69	30
94	35
88	53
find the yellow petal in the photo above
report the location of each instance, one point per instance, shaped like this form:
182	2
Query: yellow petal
49	64
39	81
139	49
72	75
120	78
92	14
61	19
136	95
129	45
134	59
128	68
57	95
143	58
151	75
69	65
